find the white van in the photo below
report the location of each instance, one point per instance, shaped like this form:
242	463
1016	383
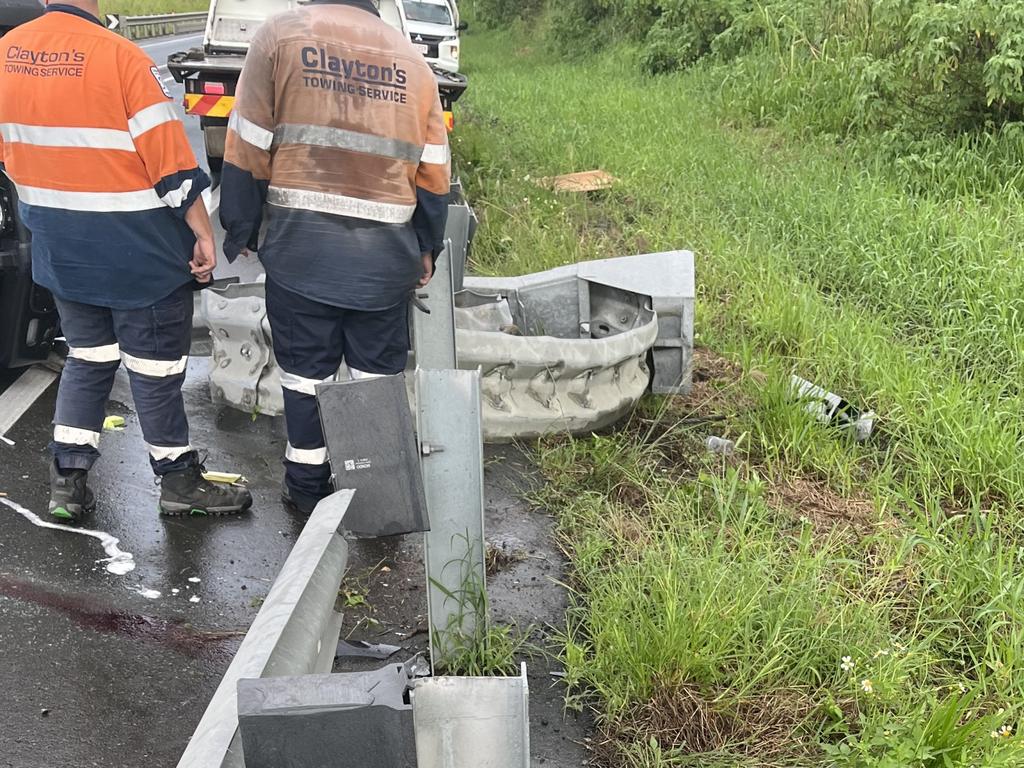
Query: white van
434	28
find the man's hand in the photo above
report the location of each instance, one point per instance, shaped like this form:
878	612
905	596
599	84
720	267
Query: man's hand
204	260
428	270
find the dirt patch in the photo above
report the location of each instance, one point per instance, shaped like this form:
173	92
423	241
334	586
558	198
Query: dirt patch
813	500
684	717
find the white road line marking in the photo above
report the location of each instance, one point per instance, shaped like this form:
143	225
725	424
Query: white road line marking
23	393
170	41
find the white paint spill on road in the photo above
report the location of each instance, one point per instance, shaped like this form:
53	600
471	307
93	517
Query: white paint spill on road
194	599
118	561
194	579
149	594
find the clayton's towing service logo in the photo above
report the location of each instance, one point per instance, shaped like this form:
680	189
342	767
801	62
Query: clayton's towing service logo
337	73
25	61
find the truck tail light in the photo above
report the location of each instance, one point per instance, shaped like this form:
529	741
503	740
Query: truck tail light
213	88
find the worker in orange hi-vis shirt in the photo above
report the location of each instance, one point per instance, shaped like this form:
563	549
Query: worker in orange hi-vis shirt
337	150
111	192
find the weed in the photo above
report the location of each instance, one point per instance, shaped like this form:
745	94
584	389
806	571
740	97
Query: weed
470	644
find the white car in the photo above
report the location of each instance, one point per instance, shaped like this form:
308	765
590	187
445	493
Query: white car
433	27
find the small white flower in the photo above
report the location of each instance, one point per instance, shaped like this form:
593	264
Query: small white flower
1006	731
881	652
994	734
867	686
848	664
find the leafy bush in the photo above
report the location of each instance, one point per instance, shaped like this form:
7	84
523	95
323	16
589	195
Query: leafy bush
495	13
951	66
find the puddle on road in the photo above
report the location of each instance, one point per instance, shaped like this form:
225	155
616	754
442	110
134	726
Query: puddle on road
117	561
86	613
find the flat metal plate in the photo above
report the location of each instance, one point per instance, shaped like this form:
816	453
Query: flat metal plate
370	436
433	335
457	234
448	414
351	720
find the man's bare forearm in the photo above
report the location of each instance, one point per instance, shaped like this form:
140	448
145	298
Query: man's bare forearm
198	220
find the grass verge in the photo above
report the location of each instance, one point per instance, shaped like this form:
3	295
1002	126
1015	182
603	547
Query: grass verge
808	601
151	7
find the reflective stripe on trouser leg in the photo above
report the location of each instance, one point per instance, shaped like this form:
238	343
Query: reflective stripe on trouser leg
81	406
357	375
154	343
308	344
307	466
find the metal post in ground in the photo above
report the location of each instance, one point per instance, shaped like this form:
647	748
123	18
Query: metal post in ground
448	418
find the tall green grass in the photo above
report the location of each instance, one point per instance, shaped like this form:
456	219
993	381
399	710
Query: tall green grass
710	624
152	7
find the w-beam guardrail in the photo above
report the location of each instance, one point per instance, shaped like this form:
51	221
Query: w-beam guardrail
141	27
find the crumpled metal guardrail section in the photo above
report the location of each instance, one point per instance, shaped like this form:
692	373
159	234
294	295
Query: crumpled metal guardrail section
552	302
536	384
243	370
295	632
561	350
142	27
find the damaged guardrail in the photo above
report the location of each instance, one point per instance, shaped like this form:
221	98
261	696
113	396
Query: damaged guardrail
157	25
295	632
570	349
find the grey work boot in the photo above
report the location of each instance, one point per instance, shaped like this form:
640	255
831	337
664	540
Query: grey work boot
70	496
186	492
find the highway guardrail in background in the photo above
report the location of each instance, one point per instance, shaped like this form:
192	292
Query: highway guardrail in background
142	27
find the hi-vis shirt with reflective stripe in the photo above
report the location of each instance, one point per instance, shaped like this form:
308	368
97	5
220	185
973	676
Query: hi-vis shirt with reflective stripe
98	154
336	115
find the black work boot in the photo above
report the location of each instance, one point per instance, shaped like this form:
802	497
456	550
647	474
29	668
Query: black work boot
70	496
298	502
186	492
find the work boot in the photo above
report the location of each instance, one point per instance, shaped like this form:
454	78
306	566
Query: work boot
187	492
70	496
298	502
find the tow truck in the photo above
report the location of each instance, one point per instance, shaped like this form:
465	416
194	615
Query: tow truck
210	74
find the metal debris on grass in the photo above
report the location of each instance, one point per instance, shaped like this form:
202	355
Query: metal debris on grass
829	408
720	445
362	649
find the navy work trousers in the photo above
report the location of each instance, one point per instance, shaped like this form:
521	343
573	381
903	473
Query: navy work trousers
153	343
310	341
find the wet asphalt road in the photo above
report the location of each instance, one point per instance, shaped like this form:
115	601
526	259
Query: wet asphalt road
93	672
